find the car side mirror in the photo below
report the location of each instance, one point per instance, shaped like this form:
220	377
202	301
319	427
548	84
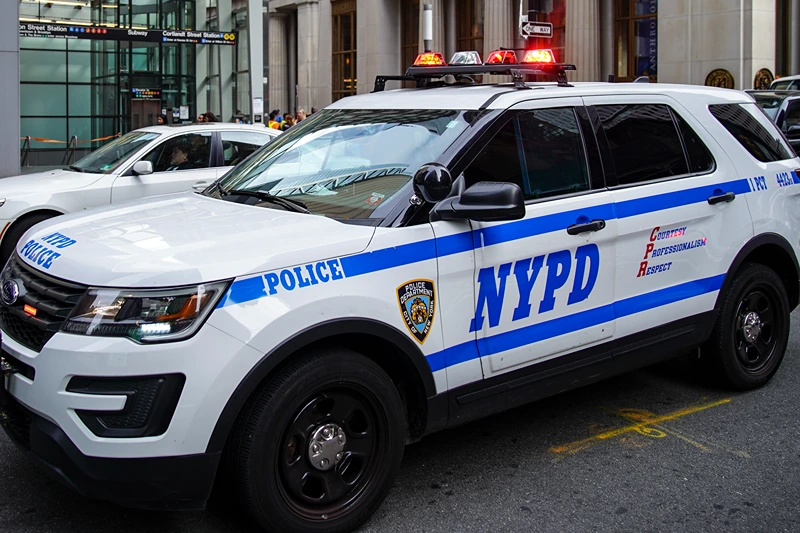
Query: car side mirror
433	182
486	201
142	168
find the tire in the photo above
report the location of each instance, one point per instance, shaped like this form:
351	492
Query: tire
16	231
750	337
272	445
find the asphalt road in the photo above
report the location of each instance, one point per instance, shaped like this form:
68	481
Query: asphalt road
655	450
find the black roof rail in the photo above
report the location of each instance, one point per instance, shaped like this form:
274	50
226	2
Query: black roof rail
422	75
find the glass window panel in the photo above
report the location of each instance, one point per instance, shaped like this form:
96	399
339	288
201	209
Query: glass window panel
81	128
184	152
700	159
84	45
42	66
499	160
622	49
237	145
171	59
41	43
43	100
623	8
644	142
757	136
80	67
80	100
47	128
554	161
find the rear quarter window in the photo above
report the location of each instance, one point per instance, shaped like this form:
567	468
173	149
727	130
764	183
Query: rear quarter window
753	130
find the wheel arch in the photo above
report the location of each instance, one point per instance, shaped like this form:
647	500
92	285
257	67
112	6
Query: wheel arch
24	217
392	350
771	250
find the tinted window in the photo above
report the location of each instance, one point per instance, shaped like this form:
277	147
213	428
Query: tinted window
792	117
753	130
237	145
541	151
644	142
700	159
184	152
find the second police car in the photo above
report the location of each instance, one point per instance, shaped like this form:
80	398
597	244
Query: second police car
401	262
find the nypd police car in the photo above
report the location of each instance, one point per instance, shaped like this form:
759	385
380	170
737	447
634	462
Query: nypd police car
399	263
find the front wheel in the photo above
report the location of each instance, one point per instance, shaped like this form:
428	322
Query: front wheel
752	330
321	444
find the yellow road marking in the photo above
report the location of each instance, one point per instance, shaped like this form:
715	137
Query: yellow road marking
644	419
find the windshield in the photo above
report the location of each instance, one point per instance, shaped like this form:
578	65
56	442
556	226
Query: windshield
769	104
345	163
107	158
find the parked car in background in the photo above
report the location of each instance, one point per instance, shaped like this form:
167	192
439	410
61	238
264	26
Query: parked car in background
783	108
145	162
790	83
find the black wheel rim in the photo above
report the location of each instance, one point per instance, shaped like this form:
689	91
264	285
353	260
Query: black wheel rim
324	494
758	329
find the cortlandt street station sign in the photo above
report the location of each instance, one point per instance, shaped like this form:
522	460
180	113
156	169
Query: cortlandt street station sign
65	31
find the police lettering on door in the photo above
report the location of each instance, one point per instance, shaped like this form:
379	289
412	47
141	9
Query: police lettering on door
554	268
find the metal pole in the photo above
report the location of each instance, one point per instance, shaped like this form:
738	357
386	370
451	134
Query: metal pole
427	26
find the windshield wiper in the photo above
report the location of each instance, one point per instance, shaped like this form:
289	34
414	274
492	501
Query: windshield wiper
291	205
76	168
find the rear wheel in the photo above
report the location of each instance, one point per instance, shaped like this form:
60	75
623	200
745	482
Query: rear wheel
16	231
752	330
321	445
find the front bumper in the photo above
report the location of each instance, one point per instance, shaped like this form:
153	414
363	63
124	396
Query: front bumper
181	482
171	469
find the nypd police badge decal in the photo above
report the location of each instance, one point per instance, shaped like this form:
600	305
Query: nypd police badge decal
417	305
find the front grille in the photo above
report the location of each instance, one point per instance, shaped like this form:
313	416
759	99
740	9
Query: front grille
52	298
18	423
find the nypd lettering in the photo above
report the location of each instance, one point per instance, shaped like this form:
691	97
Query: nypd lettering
417	301
303	276
42	255
558	265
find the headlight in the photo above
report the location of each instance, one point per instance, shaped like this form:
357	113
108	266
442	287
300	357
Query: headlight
146	315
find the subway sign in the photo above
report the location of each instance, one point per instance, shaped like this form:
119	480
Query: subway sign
65	31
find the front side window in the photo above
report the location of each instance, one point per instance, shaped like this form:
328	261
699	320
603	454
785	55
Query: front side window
345	163
108	158
644	142
540	150
238	145
753	130
184	152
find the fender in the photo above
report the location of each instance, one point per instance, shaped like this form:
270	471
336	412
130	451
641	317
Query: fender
270	361
761	240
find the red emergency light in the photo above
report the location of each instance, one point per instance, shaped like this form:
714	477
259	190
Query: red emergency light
539	56
430	59
501	57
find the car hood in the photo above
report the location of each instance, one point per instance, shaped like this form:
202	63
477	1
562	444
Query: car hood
182	239
50	181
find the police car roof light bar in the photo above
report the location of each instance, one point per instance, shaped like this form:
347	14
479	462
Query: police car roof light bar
430	59
517	72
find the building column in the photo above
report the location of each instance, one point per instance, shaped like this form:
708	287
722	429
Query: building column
498	30
278	90
377	41
607	64
794	38
307	52
255	32
9	89
291	64
225	18
582	39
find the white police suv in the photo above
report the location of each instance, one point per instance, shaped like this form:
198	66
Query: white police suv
399	263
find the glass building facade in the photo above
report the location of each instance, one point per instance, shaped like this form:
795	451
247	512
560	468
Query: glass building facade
84	88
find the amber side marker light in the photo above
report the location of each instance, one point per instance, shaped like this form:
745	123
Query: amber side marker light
30	309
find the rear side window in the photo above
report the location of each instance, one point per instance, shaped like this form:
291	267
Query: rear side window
644	142
700	159
540	150
753	130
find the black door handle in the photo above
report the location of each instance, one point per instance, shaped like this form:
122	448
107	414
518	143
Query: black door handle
718	199
594	225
